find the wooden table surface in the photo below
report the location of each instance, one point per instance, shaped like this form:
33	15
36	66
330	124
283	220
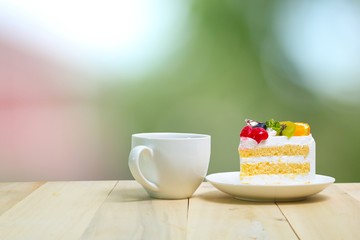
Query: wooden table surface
123	210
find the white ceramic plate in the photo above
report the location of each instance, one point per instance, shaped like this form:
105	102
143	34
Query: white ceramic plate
229	182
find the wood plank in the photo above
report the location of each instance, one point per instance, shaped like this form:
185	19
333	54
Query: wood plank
353	189
331	214
129	213
216	215
56	210
12	193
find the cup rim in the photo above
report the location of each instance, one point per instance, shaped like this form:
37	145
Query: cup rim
174	136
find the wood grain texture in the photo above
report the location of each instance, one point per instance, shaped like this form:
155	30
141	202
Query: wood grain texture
332	214
216	215
123	210
12	193
56	210
129	213
353	189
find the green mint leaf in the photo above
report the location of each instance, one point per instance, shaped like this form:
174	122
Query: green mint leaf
274	125
267	123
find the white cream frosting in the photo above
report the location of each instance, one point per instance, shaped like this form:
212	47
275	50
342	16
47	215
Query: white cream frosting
273	141
271	132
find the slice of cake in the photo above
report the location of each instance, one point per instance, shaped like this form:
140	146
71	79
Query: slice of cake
276	153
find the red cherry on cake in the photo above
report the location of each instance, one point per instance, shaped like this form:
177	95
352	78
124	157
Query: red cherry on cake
246	131
259	134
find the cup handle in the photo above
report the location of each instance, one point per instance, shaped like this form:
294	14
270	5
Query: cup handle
135	167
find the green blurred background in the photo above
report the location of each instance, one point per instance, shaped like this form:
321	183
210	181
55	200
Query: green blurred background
205	66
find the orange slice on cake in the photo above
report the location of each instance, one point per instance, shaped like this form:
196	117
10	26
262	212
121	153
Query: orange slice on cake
302	129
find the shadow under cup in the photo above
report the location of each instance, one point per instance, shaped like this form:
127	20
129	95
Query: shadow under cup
170	165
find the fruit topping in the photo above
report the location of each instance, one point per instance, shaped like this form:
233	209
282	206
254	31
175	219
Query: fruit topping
259	134
274	125
302	129
261	131
287	129
251	123
246	131
261	125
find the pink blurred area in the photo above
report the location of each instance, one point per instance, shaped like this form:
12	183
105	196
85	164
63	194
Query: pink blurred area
48	124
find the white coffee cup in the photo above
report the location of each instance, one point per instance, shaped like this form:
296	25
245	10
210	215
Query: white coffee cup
169	165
